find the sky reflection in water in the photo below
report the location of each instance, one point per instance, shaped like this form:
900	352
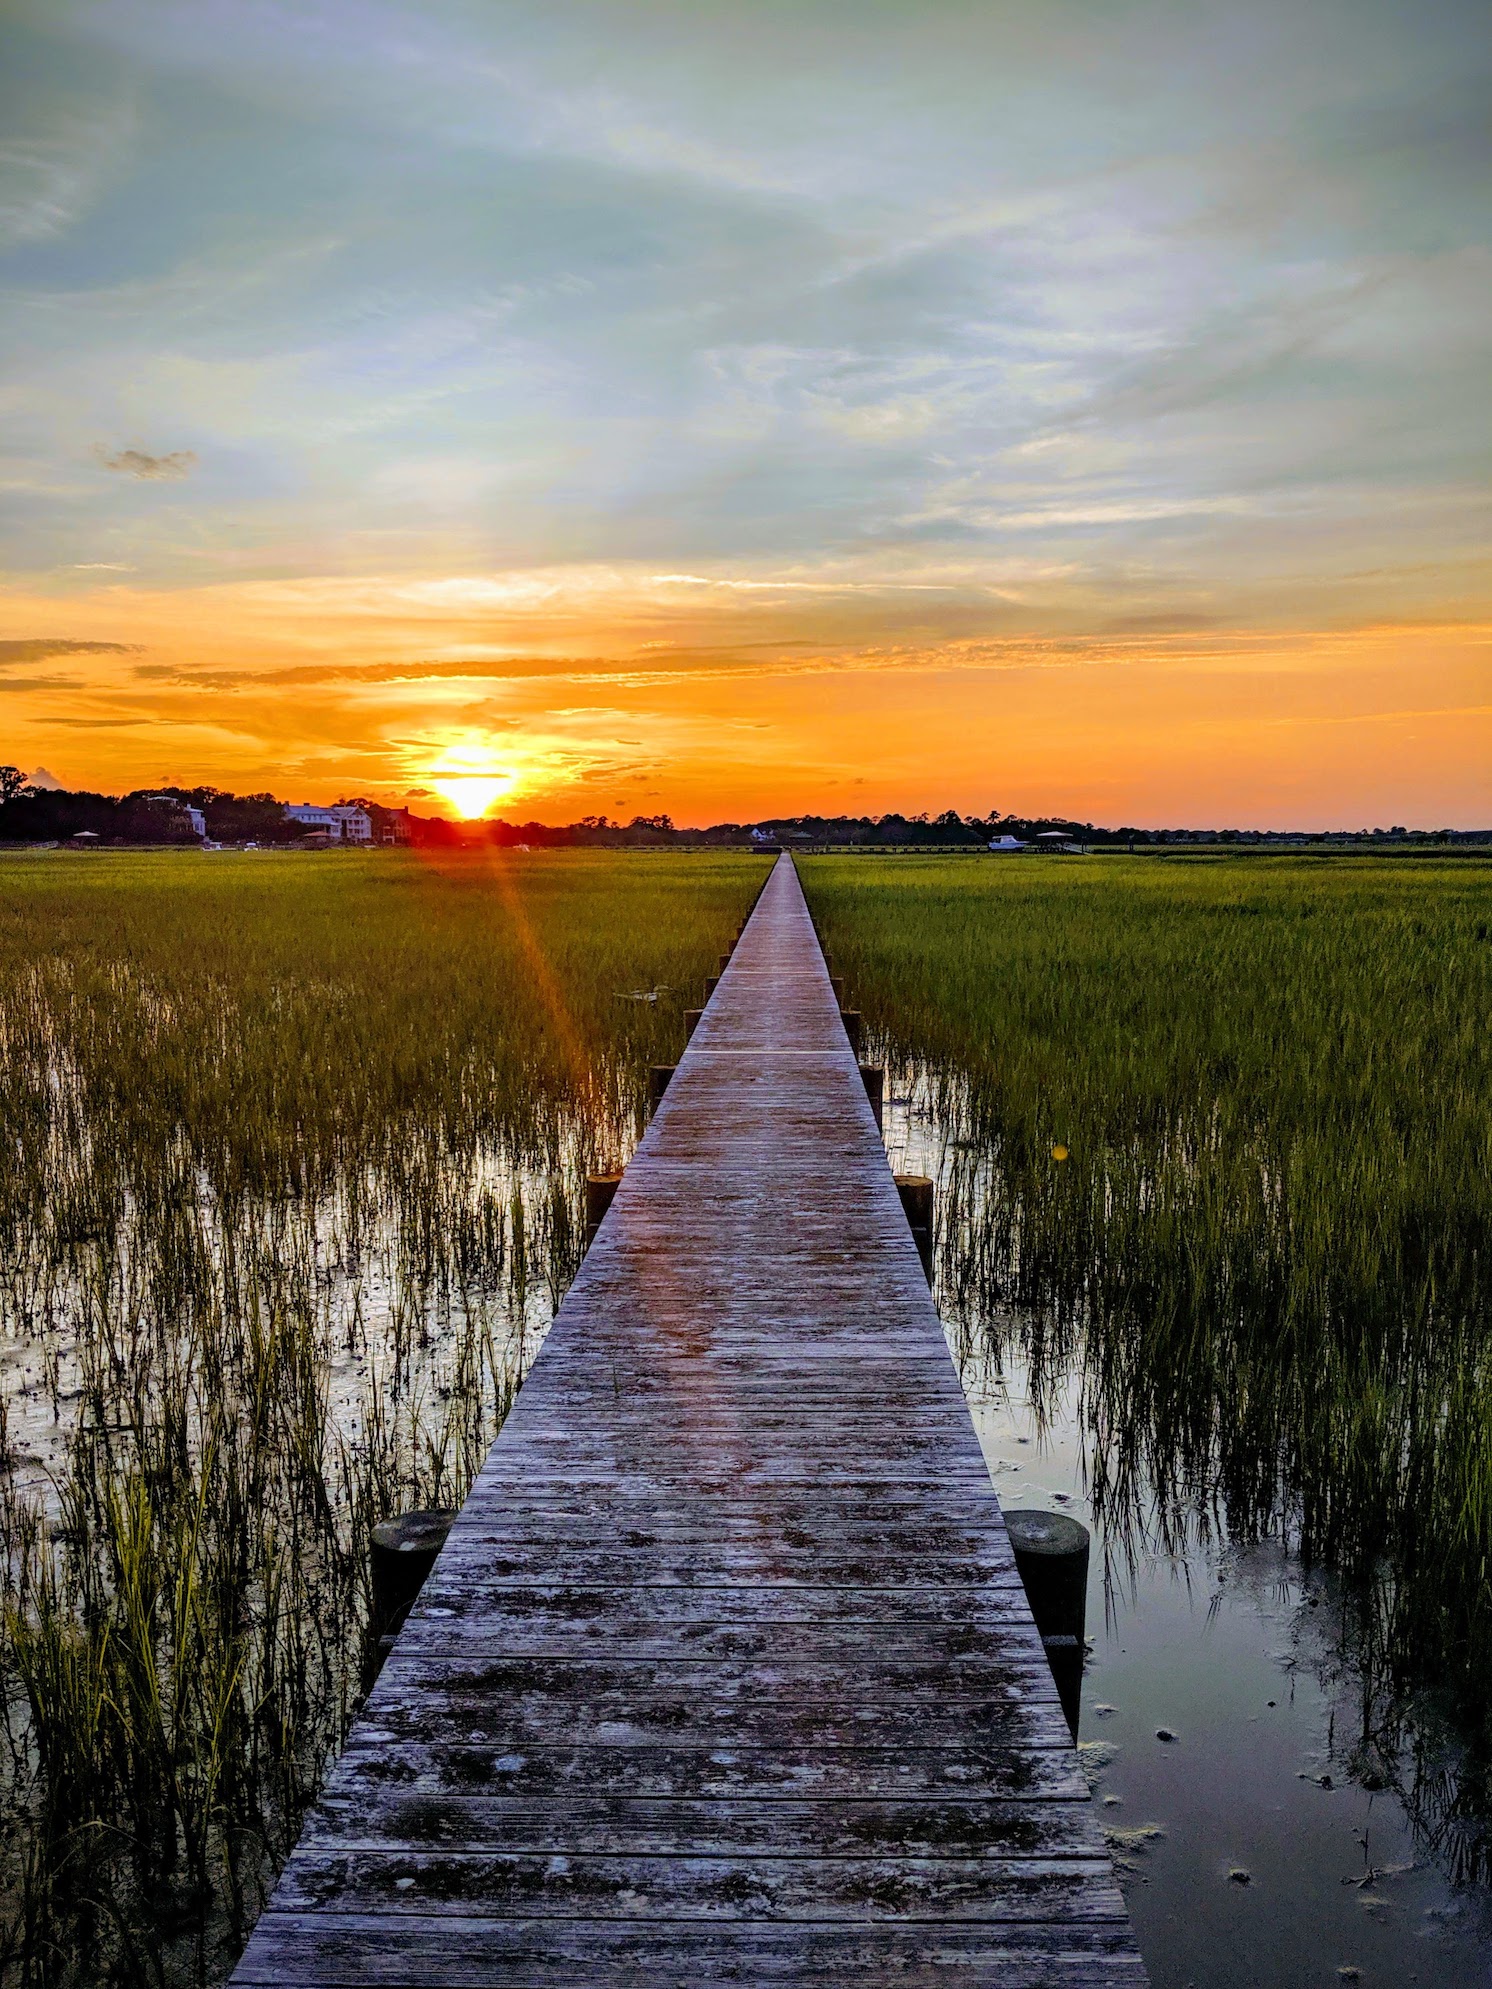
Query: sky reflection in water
1253	1849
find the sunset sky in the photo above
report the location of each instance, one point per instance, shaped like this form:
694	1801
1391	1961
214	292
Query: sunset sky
736	409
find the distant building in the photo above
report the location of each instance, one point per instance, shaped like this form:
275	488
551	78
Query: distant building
194	816
395	826
345	823
1008	845
1057	842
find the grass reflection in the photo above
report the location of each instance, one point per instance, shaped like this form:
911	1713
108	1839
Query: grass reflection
1266	1247
290	1184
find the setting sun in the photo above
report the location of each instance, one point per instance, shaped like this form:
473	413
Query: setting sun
471	795
467	775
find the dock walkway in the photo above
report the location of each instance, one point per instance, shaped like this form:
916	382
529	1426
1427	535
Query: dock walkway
725	1673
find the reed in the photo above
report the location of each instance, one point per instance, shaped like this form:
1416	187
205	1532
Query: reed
289	1188
1217	1135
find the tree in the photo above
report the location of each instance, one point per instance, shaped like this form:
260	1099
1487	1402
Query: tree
12	784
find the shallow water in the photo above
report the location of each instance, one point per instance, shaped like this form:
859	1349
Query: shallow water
378	1324
1249	1849
370	1344
1249	1856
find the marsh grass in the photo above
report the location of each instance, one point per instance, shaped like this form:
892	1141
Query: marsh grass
1267	1249
289	1188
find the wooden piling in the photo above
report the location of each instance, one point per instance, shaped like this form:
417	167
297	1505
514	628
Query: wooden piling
874	1080
916	1192
401	1553
600	1192
1051	1555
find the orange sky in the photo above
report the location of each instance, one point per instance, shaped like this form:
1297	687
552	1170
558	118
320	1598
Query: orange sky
617	694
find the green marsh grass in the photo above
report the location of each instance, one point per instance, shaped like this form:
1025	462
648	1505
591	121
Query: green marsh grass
1267	1251
289	1187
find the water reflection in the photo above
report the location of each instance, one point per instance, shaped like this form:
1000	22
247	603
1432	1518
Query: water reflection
1320	1805
205	1405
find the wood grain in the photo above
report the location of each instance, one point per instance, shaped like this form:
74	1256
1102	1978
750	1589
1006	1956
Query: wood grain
725	1674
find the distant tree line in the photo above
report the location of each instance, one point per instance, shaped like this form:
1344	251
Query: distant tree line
31	814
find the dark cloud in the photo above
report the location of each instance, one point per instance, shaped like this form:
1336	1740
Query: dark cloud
37	649
151	469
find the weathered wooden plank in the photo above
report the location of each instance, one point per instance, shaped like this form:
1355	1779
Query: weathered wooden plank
515	1885
879	1773
911	1530
816	1673
726	1674
665	1564
738	1471
836	1478
451	1716
448	1596
564	1501
886	1431
336	1951
847	1827
614	1629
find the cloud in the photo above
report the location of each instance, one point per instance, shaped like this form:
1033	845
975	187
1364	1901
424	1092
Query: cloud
51	177
45	778
151	469
1171	622
37	649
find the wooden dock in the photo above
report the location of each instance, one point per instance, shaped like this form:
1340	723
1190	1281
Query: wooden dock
725	1673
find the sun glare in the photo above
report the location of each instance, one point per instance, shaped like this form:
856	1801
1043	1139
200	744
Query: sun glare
470	776
471	795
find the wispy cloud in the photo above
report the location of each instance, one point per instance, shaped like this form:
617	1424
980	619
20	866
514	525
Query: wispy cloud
51	177
37	649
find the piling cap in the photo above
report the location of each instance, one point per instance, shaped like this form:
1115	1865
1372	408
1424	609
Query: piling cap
1052	1533
414	1532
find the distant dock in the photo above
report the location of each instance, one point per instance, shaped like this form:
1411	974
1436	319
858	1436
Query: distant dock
725	1674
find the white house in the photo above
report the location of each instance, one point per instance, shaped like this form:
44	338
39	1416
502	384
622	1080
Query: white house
344	823
194	815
